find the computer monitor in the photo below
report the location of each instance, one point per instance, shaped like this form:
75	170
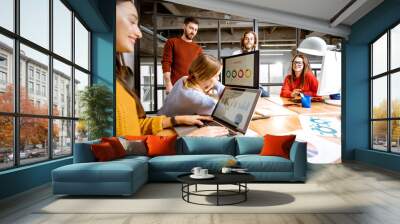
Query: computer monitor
241	70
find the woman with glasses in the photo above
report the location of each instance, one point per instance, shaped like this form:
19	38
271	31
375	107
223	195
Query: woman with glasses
300	79
131	117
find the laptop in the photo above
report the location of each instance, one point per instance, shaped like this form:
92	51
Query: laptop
233	110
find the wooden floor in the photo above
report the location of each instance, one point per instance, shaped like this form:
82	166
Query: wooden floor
377	188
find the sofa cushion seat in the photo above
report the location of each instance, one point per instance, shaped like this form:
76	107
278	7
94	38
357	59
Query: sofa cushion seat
112	171
257	163
184	163
129	159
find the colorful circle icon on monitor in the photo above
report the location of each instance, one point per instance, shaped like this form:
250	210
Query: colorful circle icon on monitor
234	74
247	73
228	74
241	73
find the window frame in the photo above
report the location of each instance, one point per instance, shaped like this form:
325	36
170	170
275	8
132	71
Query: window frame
16	114
388	74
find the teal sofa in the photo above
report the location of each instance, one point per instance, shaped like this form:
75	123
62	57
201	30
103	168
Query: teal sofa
125	176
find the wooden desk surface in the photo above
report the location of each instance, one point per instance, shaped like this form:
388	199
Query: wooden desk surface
283	115
316	107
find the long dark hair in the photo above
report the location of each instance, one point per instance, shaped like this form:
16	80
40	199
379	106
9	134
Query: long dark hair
126	78
306	68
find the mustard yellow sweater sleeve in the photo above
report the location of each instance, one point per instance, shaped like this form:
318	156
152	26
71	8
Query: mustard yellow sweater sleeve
151	125
128	121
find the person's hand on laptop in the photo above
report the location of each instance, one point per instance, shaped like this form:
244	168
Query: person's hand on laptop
210	131
192	119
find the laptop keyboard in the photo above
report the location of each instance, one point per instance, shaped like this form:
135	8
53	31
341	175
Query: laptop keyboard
213	123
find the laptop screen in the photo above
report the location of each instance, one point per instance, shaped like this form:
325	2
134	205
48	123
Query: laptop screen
235	107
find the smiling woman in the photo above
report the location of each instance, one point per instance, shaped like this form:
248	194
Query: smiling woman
130	115
300	79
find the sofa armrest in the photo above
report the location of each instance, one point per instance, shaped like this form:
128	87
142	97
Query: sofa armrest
83	152
298	155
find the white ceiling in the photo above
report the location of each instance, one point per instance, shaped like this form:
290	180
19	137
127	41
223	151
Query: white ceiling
320	9
314	15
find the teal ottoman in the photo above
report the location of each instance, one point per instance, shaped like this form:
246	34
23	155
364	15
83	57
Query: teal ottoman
118	177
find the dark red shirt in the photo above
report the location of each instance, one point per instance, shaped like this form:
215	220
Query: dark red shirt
178	56
309	88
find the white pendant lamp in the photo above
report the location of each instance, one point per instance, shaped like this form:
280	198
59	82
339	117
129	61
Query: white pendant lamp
313	45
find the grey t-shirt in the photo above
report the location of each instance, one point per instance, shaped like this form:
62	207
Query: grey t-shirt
189	101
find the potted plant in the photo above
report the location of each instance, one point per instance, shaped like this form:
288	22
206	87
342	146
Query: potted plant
96	102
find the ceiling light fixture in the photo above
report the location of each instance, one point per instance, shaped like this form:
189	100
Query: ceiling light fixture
313	45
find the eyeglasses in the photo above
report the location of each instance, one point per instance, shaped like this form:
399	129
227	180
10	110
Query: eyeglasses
298	63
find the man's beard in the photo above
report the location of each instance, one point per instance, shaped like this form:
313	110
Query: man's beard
187	35
249	47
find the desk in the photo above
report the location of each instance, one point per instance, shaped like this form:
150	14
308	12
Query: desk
286	117
284	114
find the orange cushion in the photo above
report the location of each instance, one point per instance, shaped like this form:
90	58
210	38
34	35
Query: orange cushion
103	152
140	137
161	145
277	145
116	145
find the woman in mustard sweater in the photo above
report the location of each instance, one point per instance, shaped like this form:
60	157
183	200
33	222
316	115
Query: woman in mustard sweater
131	118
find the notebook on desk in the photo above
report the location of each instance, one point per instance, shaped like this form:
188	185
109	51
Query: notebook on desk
233	110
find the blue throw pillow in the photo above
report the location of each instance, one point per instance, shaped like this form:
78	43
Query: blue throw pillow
207	145
249	145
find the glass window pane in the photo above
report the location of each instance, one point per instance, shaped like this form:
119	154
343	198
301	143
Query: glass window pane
379	98
62	29
160	98
6	74
274	90
264	71
33	139
395	95
81	131
35	21
276	73
62	138
146	85
81	45
81	81
395	138
379	56
395	47
160	76
7	14
379	135
34	80
6	142
62	89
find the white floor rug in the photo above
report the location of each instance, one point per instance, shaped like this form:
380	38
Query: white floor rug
166	198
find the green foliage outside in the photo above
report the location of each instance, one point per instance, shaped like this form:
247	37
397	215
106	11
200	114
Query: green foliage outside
380	128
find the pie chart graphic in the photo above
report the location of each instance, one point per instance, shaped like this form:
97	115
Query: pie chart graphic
241	73
247	73
234	74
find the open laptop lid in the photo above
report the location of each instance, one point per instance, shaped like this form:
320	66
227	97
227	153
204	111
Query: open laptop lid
241	70
236	107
